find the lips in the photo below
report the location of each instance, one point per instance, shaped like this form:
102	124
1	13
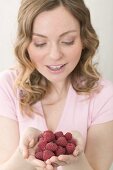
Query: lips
55	67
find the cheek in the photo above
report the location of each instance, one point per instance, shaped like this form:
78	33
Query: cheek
75	54
34	55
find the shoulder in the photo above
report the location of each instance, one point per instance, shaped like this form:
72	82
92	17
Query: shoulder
104	95
105	89
101	104
11	72
107	84
7	79
8	76
8	95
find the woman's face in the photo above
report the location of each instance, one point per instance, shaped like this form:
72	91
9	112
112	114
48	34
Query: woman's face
56	44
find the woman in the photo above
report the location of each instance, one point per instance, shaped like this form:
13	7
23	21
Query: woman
56	86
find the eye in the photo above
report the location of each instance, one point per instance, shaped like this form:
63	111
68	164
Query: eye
68	42
39	44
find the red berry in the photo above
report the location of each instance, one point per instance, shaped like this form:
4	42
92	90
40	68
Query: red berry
58	134
38	149
47	154
51	146
54	144
70	147
42	145
48	136
60	151
61	141
68	136
39	155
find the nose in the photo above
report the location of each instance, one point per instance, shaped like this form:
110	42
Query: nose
55	52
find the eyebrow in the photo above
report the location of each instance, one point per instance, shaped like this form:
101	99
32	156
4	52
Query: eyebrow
67	32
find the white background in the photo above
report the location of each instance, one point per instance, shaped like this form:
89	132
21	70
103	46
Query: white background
102	19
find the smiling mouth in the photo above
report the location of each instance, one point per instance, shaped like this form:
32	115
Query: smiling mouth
56	67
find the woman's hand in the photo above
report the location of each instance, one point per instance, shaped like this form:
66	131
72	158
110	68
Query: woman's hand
64	160
28	146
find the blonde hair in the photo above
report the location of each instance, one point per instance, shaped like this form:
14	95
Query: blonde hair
33	86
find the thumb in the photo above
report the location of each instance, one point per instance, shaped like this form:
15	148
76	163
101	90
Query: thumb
25	147
25	152
29	144
25	144
32	143
80	142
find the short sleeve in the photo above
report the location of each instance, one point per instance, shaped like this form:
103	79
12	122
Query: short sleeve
102	105
7	95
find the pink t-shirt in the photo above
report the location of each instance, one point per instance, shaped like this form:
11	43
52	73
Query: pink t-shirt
80	111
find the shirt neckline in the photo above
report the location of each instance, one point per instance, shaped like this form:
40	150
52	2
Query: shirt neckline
63	114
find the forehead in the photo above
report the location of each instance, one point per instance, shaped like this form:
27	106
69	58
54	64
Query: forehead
57	20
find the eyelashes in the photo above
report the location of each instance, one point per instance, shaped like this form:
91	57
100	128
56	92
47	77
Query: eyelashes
68	43
40	45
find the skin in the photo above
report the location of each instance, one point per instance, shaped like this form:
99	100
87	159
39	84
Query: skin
59	43
97	154
55	46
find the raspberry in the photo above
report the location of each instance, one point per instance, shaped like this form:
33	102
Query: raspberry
54	144
39	155
68	136
60	151
38	150
42	145
70	147
51	146
47	154
48	136
58	134
61	141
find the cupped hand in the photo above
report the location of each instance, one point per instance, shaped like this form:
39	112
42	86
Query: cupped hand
64	160
28	146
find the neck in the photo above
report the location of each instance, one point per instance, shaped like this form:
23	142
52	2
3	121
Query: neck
60	87
56	93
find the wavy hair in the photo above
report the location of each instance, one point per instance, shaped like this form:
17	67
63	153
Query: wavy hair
33	86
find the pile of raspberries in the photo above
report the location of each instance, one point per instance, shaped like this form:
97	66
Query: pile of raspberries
54	144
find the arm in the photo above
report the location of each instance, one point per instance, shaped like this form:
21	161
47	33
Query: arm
16	162
10	157
99	149
98	154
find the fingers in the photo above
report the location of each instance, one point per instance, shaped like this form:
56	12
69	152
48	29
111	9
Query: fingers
28	141
49	167
80	142
24	149
31	143
25	152
36	162
55	162
78	150
67	158
77	136
61	160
